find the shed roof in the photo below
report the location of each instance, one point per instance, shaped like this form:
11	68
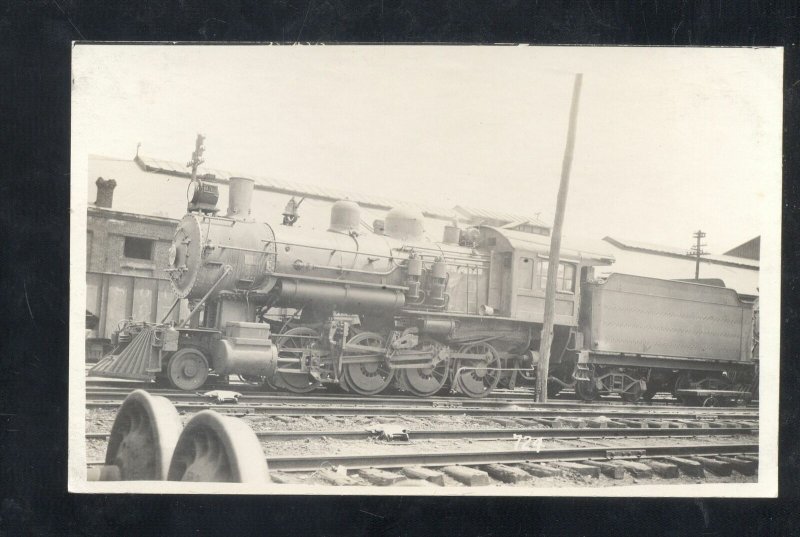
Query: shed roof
291	187
475	213
670	251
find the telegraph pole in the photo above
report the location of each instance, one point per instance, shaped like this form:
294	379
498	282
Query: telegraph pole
697	251
555	246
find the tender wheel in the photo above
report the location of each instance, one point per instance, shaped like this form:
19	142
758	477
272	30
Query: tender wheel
290	350
633	395
586	390
215	448
425	381
650	392
477	377
187	369
143	437
367	378
681	383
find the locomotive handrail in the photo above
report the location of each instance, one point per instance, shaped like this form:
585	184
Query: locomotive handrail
333	280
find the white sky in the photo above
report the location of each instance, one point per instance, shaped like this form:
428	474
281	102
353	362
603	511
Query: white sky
669	140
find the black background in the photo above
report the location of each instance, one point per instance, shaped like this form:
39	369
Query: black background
35	41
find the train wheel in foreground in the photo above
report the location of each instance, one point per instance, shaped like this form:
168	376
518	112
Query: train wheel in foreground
187	369
219	449
586	390
426	381
290	351
367	378
478	376
143	438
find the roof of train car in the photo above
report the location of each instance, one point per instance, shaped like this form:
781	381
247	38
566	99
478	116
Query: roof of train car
589	250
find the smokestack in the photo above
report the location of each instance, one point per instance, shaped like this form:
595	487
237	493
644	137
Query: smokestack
240	197
105	192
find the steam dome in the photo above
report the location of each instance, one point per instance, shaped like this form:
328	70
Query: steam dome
404	224
345	216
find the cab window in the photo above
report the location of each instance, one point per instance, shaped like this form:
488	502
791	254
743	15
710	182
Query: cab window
565	279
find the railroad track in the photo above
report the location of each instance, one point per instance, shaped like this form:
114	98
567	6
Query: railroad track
96	391
498	433
393	405
393	454
499	396
483	468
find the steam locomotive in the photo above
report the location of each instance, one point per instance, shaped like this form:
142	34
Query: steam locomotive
295	309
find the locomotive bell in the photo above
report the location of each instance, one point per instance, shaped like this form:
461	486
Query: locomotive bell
404	224
345	216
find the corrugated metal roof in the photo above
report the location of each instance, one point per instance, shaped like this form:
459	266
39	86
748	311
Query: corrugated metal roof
749	250
474	213
679	252
295	188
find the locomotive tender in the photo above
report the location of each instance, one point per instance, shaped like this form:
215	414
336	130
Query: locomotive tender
295	309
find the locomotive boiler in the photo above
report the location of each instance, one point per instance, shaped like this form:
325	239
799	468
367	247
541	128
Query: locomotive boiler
365	309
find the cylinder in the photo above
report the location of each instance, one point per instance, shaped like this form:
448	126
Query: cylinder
250	357
341	298
240	197
438	327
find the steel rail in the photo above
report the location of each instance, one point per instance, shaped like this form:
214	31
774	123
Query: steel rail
285	408
397	460
498	396
498	434
433	402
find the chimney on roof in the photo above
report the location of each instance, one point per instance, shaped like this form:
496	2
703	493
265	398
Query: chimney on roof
105	192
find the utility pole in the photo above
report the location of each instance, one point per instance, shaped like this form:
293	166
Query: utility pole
697	251
555	246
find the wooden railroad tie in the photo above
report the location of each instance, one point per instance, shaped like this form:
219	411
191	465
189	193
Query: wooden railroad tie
506	474
714	466
608	468
466	475
663	469
540	470
426	474
688	467
380	477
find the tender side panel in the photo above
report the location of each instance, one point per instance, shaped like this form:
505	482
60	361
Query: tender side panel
637	315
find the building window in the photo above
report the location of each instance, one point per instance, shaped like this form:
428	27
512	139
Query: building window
136	248
565	279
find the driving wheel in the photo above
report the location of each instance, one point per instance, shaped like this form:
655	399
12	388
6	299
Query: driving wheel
367	378
426	381
291	346
478	376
